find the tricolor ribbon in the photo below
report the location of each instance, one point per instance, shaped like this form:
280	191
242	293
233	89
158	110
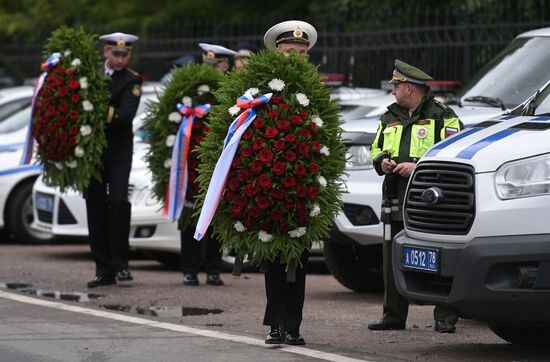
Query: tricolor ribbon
48	65
221	170
177	186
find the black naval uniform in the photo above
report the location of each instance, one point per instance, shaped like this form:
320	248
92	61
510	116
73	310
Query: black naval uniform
107	202
196	253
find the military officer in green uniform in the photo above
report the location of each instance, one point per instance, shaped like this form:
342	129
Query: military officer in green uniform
410	126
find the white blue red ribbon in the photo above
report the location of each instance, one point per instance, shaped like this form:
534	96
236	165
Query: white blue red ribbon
221	170
177	186
48	65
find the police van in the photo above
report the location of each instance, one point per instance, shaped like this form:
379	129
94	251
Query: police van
477	230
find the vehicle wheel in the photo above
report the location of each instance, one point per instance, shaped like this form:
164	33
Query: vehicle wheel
358	268
20	216
228	260
524	336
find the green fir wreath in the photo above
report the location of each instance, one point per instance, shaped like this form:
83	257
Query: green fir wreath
283	189
191	85
70	111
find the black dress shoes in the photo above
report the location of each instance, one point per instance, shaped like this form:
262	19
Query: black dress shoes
190	279
214	279
386	326
444	327
294	339
101	280
124	275
275	336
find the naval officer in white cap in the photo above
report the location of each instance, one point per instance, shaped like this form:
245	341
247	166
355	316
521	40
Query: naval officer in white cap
107	204
217	55
291	35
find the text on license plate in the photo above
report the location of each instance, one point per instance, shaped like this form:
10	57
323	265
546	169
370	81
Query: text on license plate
44	203
421	258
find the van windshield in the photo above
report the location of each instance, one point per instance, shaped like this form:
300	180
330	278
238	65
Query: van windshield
513	75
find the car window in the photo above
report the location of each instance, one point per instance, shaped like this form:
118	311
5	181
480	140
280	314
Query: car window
16	121
353	112
9	108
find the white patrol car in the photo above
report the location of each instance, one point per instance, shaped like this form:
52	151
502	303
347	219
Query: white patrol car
354	252
477	236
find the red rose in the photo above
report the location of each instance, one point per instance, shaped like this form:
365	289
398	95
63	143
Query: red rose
301	209
63	91
236	212
246	152
264	182
73	84
69	72
284	227
276	99
289	181
273	114
205	129
199	139
51	111
305	132
289	205
61	121
265	155
60	81
233	184
284	106
73	130
271	132
259	123
301	191
73	114
228	195
277	194
290	156
257	144
251	190
314	167
303	112
256	167
254	212
74	98
300	170
197	124
276	215
243	174
63	106
49	78
240	201
192	176
296	120
248	224
266	226
312	192
247	134
313	127
283	125
64	136
279	168
72	142
236	161
279	146
303	149
302	220
262	202
316	145
290	138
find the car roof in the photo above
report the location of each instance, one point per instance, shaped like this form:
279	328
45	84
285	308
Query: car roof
536	32
16	92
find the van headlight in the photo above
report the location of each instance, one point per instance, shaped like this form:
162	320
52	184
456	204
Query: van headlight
358	158
524	178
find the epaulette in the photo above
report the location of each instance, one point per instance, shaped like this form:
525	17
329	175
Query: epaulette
133	72
442	105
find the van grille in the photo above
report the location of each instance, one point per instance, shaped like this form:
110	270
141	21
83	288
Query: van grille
454	211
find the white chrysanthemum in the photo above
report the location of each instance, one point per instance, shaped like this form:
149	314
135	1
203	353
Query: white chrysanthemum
276	84
87	105
296	233
239	226
315	211
325	151
174	117
318	121
322	181
302	99
167	163
58	165
170	140
76	62
71	164
85	130
79	151
67	53
83	82
265	237
187	101
252	91
234	110
203	89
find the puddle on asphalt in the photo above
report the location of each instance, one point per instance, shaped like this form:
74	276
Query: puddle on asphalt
55	294
161	311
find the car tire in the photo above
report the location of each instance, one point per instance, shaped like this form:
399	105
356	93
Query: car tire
356	267
19	217
523	336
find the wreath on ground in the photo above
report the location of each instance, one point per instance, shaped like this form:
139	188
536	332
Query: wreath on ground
190	86
284	184
70	108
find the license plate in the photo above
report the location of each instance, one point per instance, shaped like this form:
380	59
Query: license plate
421	258
44	202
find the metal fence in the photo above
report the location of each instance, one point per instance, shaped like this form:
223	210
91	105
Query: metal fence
448	42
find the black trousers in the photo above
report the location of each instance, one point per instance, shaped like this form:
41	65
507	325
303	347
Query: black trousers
194	254
285	300
109	212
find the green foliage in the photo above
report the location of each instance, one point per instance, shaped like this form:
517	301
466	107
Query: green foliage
185	82
63	113
264	180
